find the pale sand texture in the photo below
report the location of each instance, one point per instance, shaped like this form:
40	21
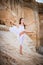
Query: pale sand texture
9	50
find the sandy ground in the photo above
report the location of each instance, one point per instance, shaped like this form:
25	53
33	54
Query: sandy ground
9	51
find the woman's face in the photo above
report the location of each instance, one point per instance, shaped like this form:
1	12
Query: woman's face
22	21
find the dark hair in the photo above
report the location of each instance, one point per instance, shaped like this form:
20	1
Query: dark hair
20	21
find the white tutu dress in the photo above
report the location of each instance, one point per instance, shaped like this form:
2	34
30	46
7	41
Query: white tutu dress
17	31
14	29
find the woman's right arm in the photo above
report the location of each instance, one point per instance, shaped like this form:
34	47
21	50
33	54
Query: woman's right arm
12	23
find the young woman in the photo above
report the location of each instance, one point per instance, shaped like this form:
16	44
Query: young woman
20	30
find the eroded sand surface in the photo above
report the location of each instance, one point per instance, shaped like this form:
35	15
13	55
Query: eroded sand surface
9	51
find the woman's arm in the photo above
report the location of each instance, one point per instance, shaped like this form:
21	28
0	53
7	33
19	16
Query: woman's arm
28	32
12	23
26	24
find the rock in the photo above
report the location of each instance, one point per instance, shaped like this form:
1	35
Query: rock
9	50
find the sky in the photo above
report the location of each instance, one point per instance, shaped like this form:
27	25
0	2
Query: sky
41	1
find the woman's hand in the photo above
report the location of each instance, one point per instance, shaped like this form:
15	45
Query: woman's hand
14	24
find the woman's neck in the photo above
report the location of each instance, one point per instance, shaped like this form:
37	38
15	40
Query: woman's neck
22	24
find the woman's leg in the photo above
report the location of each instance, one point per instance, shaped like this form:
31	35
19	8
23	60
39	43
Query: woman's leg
21	44
20	49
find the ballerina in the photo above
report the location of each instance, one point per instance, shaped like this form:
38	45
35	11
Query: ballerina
20	31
